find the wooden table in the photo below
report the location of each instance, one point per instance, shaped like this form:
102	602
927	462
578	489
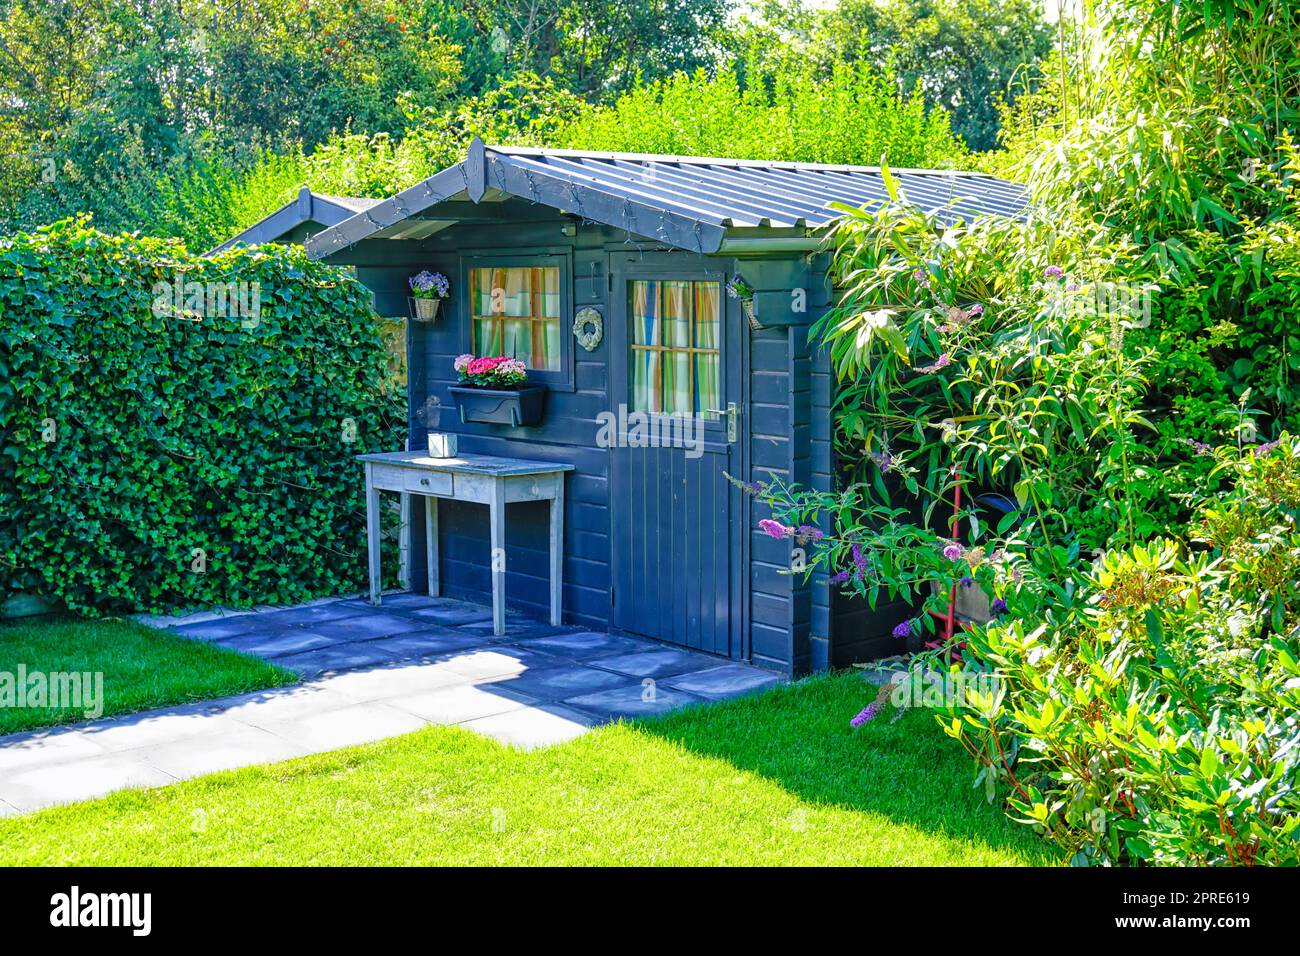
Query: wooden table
495	482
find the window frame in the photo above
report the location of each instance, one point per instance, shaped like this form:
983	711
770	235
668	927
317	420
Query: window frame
560	379
660	277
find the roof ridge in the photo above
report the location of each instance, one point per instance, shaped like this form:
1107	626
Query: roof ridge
726	161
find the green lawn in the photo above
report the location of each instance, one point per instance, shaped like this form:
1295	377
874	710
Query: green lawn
773	779
142	667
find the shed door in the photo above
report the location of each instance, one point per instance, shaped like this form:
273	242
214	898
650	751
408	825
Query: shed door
675	375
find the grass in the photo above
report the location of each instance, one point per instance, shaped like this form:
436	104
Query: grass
777	778
142	667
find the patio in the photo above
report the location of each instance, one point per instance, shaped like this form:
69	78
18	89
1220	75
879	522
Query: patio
371	673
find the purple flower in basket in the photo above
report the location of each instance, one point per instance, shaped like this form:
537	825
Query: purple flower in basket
429	285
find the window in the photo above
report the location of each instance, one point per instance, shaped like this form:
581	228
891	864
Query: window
515	311
674	341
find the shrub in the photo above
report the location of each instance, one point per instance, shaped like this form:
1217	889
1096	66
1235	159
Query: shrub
160	452
1155	718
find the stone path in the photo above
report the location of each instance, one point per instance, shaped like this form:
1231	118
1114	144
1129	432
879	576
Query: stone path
370	673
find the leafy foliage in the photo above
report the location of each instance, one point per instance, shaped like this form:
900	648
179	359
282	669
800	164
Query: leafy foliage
1154	718
852	115
161	448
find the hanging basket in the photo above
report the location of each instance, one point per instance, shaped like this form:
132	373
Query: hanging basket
424	310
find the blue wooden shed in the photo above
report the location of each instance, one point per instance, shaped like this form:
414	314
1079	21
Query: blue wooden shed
641	249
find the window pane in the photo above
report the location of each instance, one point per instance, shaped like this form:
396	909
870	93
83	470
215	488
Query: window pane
707	395
707	299
645	380
645	312
516	312
677	314
677	383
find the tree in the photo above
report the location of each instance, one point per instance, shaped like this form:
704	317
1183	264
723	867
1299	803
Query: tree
963	56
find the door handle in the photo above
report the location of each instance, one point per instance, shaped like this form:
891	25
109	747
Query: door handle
730	413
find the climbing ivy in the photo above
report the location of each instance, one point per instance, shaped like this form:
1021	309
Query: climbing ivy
178	432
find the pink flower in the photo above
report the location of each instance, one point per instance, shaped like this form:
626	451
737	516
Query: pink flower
462	362
953	552
943	361
774	529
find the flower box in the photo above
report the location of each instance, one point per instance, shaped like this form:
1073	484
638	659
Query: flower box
521	405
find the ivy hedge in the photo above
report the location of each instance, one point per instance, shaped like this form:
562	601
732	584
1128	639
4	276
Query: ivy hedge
179	432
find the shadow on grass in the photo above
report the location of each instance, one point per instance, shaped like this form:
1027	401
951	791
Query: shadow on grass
908	770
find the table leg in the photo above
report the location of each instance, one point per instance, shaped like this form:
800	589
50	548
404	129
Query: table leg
404	545
557	551
372	534
431	543
497	519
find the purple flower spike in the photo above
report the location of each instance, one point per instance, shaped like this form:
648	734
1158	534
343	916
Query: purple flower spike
902	630
1053	272
840	578
807	532
774	528
864	715
976	309
953	552
998	606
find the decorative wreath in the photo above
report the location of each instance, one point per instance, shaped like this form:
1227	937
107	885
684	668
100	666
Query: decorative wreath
589	328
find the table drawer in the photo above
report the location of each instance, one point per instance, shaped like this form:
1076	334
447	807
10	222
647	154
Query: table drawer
428	482
388	477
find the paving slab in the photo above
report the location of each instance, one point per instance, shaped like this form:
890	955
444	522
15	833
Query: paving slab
45	784
647	699
729	680
556	683
452	612
347	727
55	745
464	702
242	747
368	626
278	643
311	614
337	657
586	644
655	663
499	663
393	680
533	727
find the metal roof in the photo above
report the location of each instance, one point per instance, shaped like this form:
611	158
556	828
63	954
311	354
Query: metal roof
684	201
306	207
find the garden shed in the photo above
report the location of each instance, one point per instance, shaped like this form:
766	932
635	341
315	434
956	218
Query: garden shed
609	276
